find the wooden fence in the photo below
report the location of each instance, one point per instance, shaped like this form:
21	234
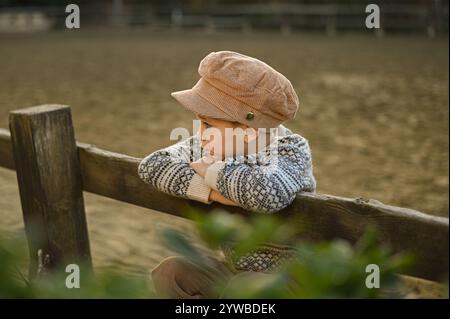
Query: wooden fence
53	170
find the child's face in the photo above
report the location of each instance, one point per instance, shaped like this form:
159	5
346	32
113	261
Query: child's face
222	143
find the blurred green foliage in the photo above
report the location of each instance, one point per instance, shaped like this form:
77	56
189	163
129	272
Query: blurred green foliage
333	269
103	284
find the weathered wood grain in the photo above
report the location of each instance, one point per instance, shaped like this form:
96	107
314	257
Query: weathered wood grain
319	216
50	185
6	152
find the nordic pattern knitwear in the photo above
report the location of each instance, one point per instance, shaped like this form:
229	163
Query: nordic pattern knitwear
258	182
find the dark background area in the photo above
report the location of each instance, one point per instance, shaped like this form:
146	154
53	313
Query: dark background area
418	16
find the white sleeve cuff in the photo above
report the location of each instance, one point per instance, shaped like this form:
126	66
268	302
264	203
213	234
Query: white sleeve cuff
198	190
212	172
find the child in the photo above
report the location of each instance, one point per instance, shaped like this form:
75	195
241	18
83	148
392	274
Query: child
263	173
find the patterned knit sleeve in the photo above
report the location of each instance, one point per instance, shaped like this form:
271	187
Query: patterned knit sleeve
169	171
269	186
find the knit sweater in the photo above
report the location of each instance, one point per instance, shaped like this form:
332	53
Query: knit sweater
265	182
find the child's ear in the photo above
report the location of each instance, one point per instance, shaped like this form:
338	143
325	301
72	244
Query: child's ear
250	135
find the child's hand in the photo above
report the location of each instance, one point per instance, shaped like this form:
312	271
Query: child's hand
200	166
218	197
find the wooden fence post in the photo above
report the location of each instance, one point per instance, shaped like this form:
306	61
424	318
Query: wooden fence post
50	184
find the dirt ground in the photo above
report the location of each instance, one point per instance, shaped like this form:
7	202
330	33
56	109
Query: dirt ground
375	111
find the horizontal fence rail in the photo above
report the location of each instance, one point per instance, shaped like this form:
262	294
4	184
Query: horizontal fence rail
319	216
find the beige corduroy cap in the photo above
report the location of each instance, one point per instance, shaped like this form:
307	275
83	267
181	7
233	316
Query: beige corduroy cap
239	88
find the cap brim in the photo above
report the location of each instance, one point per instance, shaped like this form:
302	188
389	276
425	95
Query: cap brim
197	104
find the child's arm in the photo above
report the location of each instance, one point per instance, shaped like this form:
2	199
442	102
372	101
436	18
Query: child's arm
169	171
266	188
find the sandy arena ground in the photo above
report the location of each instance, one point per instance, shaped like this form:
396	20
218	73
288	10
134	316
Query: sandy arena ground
375	111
